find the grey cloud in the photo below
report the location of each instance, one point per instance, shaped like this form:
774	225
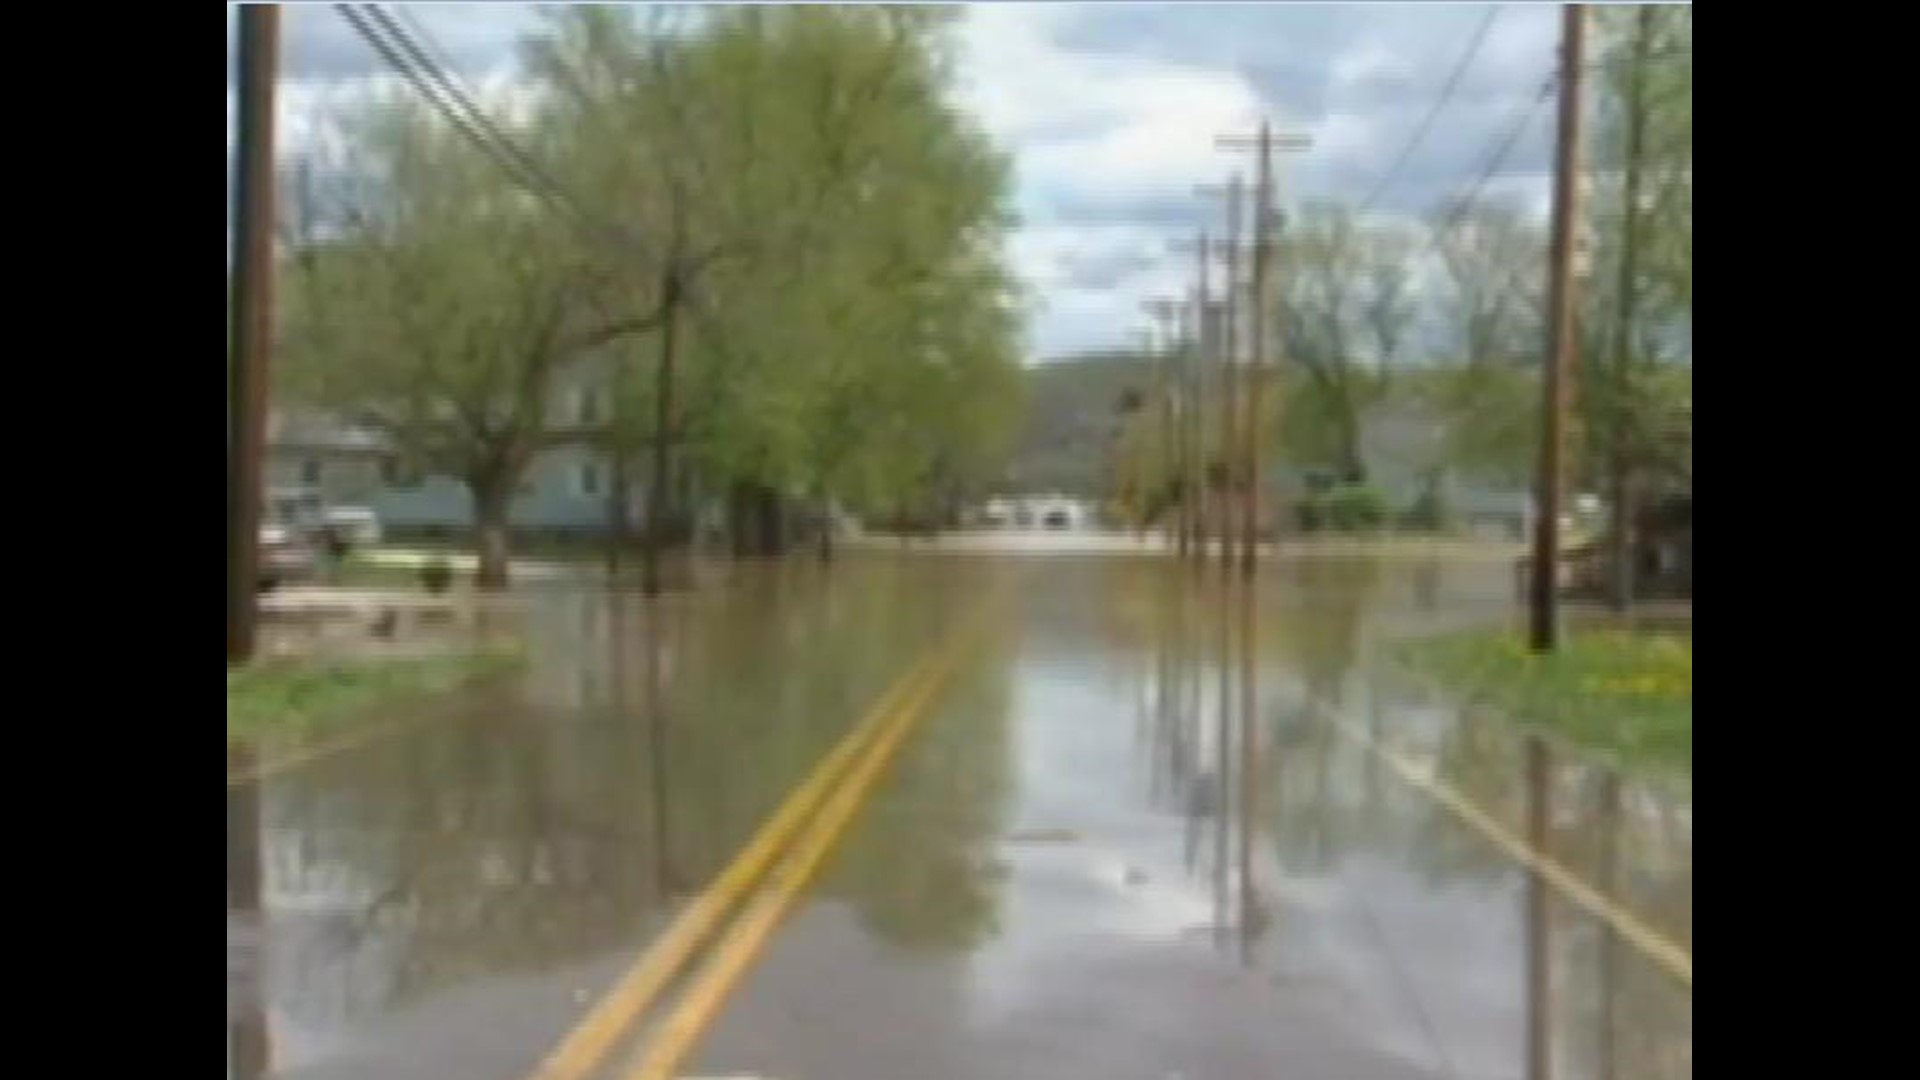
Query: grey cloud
1105	270
1289	54
1180	213
318	44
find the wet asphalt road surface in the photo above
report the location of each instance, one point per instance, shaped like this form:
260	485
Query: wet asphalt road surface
1077	867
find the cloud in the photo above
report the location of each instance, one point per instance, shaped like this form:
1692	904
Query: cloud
318	44
1109	113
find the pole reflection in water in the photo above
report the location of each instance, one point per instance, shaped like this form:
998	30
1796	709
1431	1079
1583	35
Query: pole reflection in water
1539	971
1223	751
1200	790
1249	648
1426	585
1609	943
249	1044
666	882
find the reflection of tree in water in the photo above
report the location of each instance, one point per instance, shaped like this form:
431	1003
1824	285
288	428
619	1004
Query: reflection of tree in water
919	861
470	857
1319	637
479	847
771	690
1482	759
1323	631
1307	823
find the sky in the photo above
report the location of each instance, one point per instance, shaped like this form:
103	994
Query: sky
1109	113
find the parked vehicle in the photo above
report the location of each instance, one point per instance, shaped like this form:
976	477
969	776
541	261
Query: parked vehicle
351	526
285	555
299	509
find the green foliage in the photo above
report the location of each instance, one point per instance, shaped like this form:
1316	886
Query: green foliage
297	697
1345	313
852	328
1640	303
1344	508
1352	507
788	189
1624	693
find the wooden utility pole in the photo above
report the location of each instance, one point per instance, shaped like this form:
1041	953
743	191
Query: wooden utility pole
1228	362
1257	359
1202	342
252	333
1230	378
1256	376
1198	344
1164	311
1545	614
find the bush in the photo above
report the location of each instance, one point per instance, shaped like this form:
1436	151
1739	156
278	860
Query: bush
436	575
1429	513
1353	507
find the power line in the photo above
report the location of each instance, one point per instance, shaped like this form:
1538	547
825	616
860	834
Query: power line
1446	94
443	71
1499	155
437	88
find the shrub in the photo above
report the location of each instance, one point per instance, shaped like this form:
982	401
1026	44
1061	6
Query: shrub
1353	507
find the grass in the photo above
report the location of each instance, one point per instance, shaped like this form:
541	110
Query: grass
296	697
1629	695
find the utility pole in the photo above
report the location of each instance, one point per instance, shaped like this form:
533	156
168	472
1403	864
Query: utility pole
1229	361
252	330
1256	367
1263	145
1203	342
1164	311
1545	614
1230	356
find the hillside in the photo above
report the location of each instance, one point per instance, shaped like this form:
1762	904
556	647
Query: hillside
1071	420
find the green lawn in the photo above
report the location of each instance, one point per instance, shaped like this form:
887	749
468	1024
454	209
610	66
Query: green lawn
1626	694
300	696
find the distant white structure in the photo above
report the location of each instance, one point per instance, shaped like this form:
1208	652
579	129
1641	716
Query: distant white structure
1051	511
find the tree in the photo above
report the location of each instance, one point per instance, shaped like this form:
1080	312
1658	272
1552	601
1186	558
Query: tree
1491	298
439	307
846	224
1346	307
1644	306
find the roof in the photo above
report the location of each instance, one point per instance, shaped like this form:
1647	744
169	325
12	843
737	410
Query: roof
308	429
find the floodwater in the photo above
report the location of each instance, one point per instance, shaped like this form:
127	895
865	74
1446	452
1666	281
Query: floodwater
1078	866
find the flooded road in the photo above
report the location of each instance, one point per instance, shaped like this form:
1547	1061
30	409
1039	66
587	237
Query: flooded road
1079	865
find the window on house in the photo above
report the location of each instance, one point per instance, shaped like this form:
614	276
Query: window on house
590	478
397	473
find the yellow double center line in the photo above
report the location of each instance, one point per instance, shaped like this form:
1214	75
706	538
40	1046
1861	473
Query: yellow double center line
841	780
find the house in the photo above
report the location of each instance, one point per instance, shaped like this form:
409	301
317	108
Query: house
566	490
1404	448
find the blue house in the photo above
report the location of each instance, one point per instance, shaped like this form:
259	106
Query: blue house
566	490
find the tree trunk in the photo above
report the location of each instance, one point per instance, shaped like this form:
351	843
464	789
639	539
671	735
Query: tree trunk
492	500
662	437
1353	461
754	510
617	512
1620	463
